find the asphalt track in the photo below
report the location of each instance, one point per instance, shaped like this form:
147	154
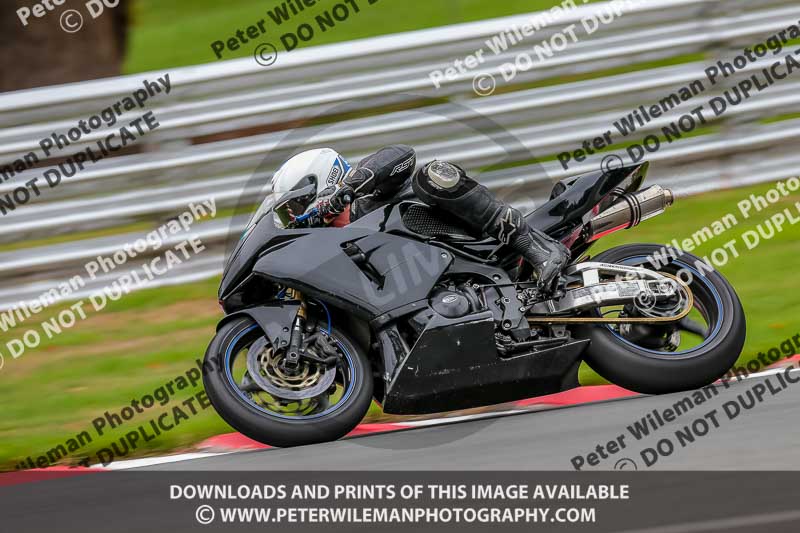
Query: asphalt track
761	438
764	437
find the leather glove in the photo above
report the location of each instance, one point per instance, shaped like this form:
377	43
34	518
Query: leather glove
333	201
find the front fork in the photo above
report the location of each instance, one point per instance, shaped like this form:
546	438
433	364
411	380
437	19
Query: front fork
292	360
303	335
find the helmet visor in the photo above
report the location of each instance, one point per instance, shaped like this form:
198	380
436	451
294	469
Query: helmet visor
285	206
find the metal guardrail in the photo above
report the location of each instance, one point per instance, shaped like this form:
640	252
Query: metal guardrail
315	87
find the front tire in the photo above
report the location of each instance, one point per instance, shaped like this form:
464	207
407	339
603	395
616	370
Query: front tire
649	371
239	410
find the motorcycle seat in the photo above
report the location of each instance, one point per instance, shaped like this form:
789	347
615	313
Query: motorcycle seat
424	220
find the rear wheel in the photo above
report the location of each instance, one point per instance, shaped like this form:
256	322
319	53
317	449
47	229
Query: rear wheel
255	392
659	359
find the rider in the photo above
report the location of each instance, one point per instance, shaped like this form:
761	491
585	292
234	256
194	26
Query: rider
348	194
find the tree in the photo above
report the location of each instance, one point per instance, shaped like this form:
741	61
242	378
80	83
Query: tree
42	53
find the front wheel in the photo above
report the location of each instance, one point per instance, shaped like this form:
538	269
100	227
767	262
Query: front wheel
686	355
252	390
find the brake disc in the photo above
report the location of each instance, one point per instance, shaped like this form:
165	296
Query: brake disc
307	381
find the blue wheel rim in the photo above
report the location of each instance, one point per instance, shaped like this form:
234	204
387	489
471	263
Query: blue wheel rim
697	277
348	391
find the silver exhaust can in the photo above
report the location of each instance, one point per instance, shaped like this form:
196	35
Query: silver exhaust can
630	210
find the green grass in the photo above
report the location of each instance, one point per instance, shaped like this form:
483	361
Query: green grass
148	338
179	33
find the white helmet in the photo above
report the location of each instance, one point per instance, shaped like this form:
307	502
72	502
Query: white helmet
321	168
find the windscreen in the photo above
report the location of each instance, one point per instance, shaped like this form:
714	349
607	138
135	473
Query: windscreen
265	207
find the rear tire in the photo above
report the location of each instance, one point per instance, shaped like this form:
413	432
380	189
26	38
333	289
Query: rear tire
649	372
272	429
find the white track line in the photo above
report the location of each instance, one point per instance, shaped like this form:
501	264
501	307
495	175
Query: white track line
770	372
152	461
463	418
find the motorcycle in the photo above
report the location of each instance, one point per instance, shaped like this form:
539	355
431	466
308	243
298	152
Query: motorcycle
405	307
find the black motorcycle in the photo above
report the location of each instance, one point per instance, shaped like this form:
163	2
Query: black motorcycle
405	307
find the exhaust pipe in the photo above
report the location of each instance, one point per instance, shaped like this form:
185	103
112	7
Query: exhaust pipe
629	211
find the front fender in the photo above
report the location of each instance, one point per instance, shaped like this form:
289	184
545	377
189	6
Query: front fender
275	320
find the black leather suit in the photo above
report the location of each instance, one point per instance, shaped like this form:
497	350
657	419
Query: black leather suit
381	176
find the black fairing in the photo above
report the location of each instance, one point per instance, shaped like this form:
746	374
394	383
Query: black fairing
244	256
385	272
454	365
272	319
